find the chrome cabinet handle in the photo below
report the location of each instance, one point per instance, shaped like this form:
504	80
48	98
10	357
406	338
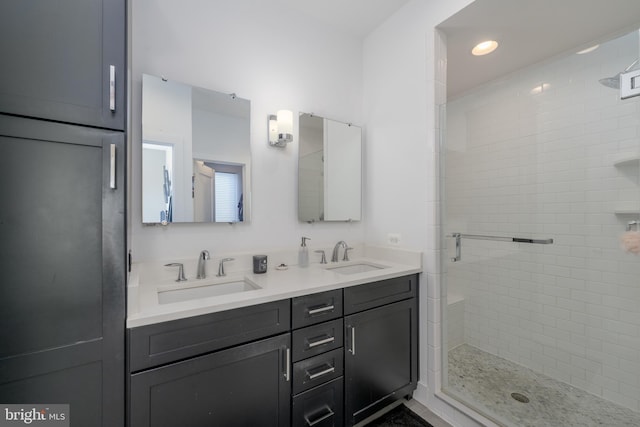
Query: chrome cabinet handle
352	350
287	369
329	370
321	309
321	418
321	342
112	87
112	167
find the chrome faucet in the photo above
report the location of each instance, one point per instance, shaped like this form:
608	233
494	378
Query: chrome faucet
202	271
336	249
221	272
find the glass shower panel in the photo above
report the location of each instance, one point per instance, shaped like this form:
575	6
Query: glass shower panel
542	196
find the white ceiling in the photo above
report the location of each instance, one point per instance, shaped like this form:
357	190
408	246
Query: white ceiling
356	17
528	31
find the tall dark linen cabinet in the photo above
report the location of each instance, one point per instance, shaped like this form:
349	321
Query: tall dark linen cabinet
62	206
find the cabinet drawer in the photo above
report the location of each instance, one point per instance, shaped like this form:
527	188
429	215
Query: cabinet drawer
316	339
166	342
319	407
311	309
317	370
370	295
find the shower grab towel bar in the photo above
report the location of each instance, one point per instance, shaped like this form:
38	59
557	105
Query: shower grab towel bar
460	236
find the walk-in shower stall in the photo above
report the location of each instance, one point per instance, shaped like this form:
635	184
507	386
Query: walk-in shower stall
541	206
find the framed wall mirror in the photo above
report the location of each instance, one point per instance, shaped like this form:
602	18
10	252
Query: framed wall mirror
329	170
196	154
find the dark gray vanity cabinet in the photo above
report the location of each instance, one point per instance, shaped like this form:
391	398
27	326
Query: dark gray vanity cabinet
62	257
64	61
327	359
246	385
381	345
231	368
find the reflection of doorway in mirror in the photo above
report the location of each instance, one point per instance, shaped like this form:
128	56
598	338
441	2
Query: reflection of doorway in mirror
203	192
157	173
217	191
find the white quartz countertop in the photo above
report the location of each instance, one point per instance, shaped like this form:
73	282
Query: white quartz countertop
144	307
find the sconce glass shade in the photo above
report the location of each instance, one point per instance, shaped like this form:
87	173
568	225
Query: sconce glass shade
281	128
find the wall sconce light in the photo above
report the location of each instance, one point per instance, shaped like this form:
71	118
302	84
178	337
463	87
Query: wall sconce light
281	128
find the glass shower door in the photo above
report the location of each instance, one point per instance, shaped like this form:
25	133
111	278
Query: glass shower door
542	277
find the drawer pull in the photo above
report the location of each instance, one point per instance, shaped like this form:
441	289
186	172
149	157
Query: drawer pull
321	309
321	373
321	418
321	342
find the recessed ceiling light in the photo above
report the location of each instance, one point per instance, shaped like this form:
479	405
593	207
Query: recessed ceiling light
540	88
589	49
484	47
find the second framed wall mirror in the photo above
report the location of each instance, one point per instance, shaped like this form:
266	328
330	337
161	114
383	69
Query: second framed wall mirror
329	170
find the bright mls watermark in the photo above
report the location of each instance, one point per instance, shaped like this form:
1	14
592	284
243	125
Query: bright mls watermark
34	415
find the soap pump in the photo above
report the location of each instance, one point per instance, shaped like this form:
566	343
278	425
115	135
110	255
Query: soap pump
303	254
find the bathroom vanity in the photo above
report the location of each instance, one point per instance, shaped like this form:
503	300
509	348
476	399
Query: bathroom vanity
327	357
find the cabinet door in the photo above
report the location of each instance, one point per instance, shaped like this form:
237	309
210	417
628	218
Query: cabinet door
247	385
62	257
58	60
381	358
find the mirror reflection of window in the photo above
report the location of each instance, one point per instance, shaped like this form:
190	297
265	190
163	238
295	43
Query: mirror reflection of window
217	192
227	197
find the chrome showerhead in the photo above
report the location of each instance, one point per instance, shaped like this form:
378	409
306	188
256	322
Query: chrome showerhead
614	82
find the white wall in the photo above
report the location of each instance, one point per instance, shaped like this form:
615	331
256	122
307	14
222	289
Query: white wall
401	88
278	60
220	137
521	161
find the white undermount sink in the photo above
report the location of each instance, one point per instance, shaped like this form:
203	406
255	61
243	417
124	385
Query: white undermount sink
355	268
190	292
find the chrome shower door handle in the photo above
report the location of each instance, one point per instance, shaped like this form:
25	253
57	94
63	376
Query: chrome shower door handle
458	255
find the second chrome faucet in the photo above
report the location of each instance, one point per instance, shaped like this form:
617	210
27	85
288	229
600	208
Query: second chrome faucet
336	249
202	271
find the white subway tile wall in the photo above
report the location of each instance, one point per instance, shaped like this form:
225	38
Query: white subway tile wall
536	155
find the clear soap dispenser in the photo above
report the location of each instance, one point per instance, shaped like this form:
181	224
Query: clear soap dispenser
303	254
